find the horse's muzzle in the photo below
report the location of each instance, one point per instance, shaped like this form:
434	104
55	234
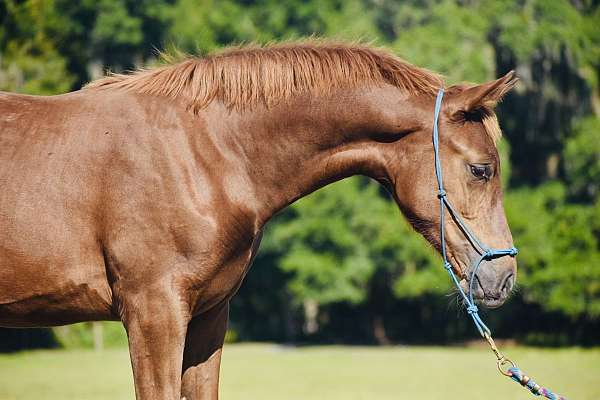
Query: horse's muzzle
493	285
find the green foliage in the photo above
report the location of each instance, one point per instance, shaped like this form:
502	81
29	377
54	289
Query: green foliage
80	336
115	27
51	46
29	61
207	25
582	159
450	39
538	24
326	244
120	33
559	268
548	26
340	235
231	336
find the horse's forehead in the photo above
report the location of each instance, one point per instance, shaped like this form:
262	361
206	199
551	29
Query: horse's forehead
471	139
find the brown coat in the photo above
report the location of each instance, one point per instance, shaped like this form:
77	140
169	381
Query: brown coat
142	198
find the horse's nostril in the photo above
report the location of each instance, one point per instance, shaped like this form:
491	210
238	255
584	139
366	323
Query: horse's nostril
508	283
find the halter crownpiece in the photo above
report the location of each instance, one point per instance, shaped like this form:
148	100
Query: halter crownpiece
486	253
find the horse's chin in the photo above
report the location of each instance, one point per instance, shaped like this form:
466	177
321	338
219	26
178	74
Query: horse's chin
491	303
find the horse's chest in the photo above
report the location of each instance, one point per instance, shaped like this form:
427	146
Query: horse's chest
227	276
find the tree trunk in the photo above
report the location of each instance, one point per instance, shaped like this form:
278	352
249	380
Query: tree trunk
379	331
98	336
311	311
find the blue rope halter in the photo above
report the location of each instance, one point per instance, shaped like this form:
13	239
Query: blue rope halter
486	253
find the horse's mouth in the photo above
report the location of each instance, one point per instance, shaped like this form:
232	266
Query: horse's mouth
479	295
491	303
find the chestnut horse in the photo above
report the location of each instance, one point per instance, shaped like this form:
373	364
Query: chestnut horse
142	197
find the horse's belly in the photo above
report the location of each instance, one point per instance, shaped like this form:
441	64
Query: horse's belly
53	295
52	269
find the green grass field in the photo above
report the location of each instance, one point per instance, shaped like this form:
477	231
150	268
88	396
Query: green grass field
263	371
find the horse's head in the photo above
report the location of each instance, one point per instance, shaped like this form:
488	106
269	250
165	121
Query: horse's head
468	131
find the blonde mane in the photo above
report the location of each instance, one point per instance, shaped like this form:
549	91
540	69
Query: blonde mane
246	76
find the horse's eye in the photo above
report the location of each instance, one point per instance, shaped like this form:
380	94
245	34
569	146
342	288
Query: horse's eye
481	171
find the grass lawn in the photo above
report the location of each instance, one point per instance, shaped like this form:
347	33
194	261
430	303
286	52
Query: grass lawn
264	371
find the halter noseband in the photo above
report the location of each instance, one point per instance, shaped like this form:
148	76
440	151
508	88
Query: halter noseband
486	253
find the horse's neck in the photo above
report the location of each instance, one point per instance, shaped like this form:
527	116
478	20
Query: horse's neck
294	149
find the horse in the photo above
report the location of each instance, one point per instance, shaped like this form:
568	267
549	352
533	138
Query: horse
143	196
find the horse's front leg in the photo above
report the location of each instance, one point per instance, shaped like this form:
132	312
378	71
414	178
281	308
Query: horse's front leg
202	354
156	323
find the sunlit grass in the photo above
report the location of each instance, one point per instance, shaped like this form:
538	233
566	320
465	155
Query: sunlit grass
264	371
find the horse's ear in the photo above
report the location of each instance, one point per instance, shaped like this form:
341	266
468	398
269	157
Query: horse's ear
486	95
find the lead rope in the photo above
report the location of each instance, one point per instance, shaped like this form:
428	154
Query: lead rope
486	254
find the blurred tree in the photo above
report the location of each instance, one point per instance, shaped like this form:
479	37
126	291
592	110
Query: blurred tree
582	159
56	45
560	267
109	34
29	60
204	26
336	240
450	39
553	46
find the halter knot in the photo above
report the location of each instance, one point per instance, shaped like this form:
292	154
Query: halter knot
448	266
441	194
488	255
513	251
472	309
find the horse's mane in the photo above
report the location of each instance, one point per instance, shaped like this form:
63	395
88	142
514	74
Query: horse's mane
245	76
